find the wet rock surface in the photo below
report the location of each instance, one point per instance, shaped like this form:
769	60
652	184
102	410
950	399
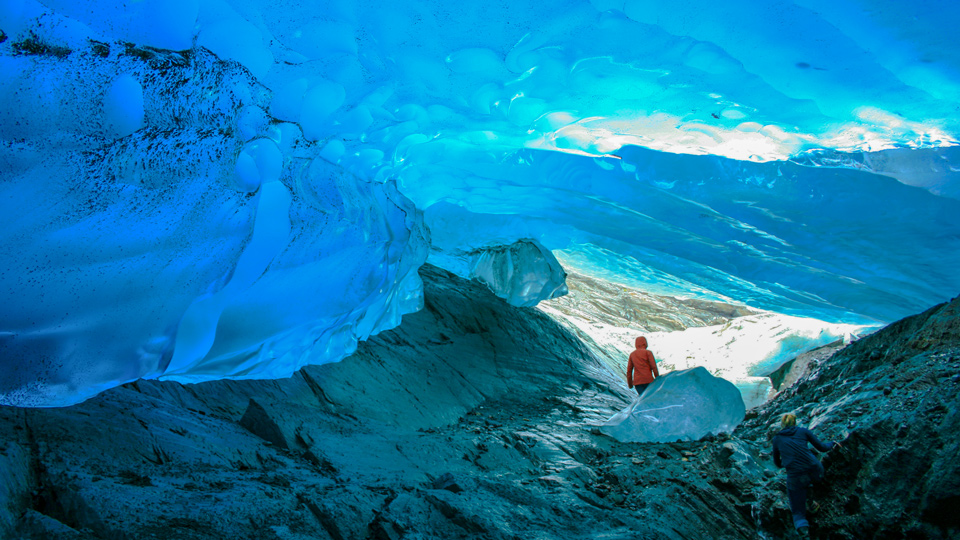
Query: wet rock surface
892	400
474	419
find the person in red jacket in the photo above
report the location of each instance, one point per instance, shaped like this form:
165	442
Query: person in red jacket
641	368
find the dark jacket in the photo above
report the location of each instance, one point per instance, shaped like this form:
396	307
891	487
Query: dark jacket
642	367
790	450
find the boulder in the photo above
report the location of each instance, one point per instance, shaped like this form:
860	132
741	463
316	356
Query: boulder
681	405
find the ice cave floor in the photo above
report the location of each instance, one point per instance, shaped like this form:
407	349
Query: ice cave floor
475	419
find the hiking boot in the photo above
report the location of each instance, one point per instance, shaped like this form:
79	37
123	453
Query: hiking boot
803	532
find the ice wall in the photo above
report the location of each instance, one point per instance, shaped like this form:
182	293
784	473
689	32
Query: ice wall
158	224
832	243
198	189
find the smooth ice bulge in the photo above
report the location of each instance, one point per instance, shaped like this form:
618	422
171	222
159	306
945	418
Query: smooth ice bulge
522	273
176	250
685	405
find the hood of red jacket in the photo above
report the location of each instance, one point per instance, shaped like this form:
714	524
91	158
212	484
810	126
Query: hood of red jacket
641	342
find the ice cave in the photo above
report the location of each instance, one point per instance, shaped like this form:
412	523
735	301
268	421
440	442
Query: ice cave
228	206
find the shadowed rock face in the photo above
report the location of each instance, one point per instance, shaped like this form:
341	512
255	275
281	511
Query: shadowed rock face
893	401
475	419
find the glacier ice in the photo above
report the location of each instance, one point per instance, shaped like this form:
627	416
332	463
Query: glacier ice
179	251
522	273
744	347
681	405
198	189
123	106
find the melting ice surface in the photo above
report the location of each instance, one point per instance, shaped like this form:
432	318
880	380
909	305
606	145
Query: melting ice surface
196	189
688	404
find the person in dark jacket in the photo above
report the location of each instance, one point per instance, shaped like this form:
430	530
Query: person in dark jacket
803	468
641	367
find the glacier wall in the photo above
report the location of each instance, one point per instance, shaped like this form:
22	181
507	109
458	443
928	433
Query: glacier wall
202	189
158	224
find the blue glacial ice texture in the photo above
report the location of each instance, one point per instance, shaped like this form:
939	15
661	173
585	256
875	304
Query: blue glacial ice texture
195	247
687	405
936	170
153	187
836	244
523	273
737	80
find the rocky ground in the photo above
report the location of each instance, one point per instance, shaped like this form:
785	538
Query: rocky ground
478	420
893	401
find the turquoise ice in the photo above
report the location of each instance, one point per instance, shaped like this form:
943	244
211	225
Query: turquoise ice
195	190
684	405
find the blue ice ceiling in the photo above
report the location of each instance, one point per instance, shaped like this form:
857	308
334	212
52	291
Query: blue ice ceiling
196	190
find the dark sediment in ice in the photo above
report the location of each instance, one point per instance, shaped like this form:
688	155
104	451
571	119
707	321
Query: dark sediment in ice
475	419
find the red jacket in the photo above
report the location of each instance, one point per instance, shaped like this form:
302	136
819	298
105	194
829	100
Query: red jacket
641	368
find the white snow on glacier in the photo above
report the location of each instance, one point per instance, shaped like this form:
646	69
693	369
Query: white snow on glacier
202	189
